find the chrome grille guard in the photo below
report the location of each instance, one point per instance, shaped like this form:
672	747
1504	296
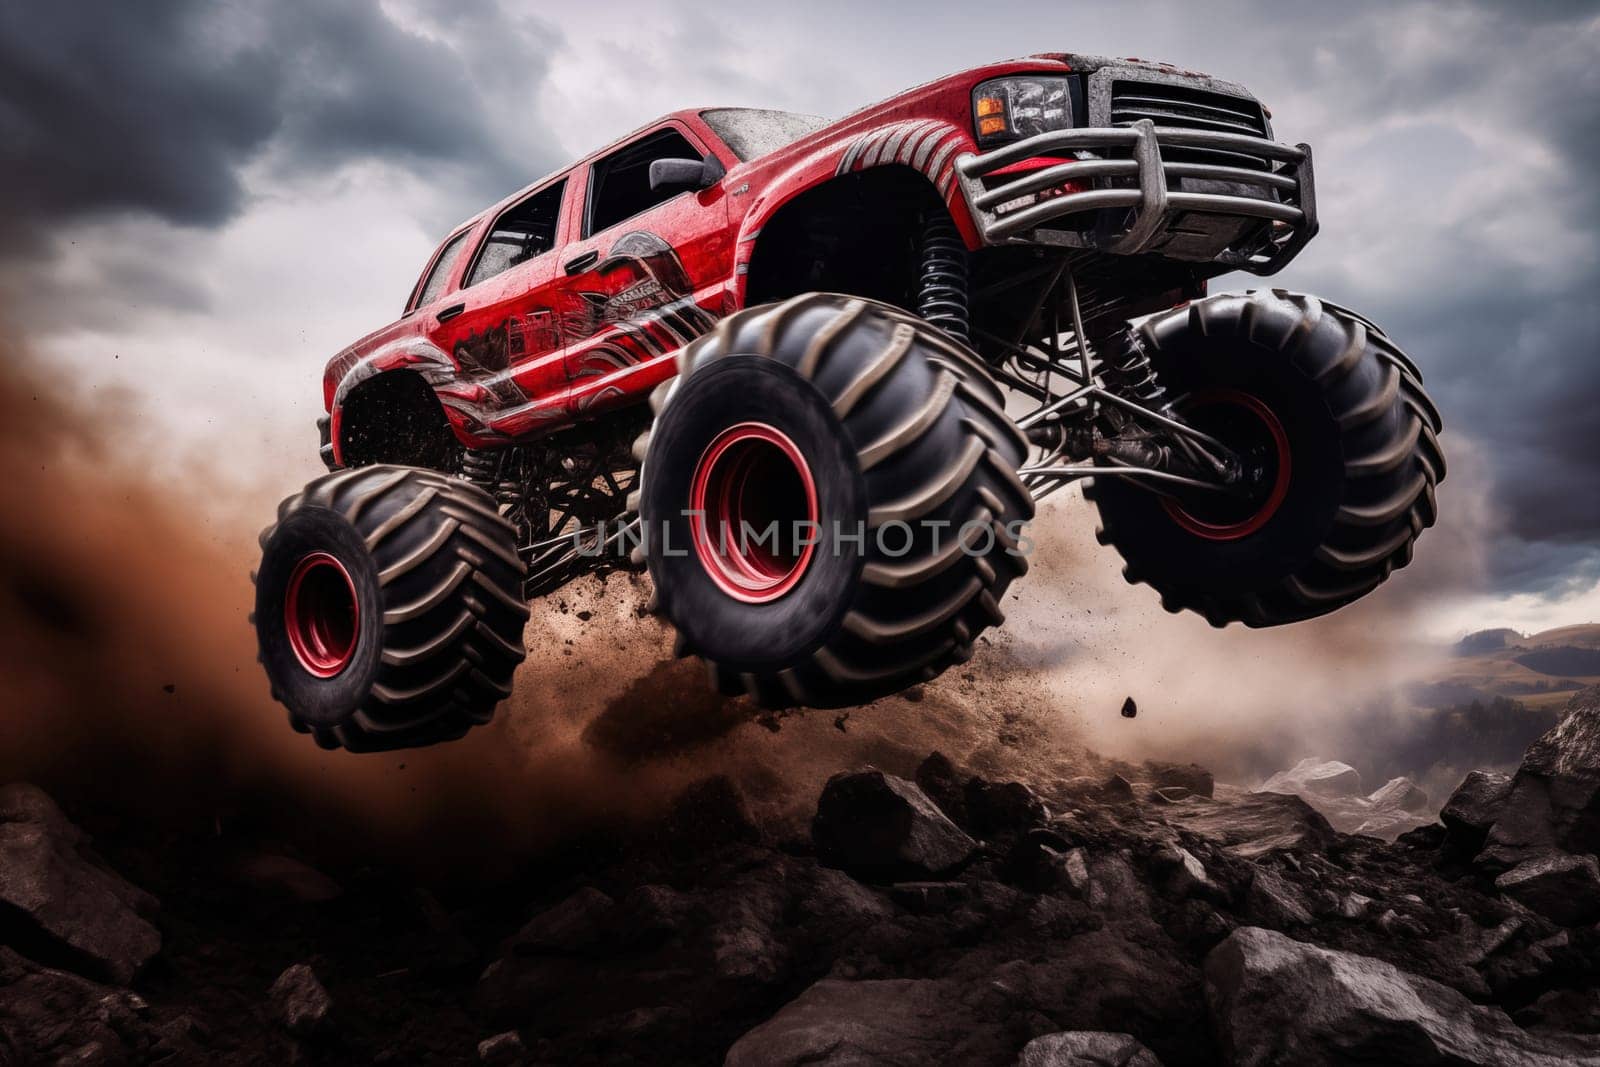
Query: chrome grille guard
1139	194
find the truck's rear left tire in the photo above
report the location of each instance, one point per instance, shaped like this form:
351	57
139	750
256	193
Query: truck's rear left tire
388	608
859	418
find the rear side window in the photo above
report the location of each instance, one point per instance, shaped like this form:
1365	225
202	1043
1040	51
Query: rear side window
619	185
443	268
522	232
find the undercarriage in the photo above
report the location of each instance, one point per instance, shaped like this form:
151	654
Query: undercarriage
566	495
1094	409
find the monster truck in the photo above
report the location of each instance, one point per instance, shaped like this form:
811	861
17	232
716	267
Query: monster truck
869	348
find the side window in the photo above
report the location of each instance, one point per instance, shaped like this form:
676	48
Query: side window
522	232
443	267
619	184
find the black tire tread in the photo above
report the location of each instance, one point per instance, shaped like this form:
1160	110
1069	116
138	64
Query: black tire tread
452	614
879	650
1389	485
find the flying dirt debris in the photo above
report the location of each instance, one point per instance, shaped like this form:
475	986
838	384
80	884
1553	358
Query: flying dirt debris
869	348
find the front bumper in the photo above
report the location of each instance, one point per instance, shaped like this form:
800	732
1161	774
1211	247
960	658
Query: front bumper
325	442
1238	217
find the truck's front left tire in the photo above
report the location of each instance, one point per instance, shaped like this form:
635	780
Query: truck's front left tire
1334	417
388	608
885	441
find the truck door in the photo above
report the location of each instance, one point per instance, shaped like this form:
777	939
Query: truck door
501	326
648	273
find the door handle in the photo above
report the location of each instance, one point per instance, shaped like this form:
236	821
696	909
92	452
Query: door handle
450	312
582	262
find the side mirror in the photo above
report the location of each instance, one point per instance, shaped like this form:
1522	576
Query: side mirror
685	173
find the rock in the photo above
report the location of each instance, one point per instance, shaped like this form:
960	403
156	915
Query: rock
501	1048
1115	790
579	923
1395	924
1002	807
937	777
1354	905
1473	808
1115	888
1036	861
1275	1000
1075	871
1573	1010
1399	794
1482	944
926	898
55	894
300	1002
1571	746
289	877
1191	776
1183	874
882	828
709	813
1251	825
836	1023
1170	794
52	1016
834	895
650	914
745	948
1560	886
1315	777
1554	802
1086	1048
1273	900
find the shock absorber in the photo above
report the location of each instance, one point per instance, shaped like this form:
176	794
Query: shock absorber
481	466
489	470
1126	370
942	295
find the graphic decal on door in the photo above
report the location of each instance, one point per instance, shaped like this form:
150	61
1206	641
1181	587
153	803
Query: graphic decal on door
647	305
644	304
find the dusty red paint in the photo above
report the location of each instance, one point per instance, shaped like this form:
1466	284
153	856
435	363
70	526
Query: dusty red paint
526	354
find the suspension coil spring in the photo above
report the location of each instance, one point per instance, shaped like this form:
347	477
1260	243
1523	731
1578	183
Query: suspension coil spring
482	467
1126	370
942	280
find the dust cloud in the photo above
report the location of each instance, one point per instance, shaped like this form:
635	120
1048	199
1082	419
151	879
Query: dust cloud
130	682
1245	702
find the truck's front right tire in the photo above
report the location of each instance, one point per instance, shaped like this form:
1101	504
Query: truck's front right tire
389	611
886	442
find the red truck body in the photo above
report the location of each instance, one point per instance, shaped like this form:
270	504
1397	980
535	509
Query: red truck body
587	325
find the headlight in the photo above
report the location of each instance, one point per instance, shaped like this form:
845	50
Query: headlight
1009	109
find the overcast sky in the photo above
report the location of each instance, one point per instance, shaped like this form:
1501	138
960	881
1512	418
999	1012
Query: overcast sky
204	201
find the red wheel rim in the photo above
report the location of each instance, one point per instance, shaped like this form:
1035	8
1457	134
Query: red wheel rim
1247	417
321	615
749	477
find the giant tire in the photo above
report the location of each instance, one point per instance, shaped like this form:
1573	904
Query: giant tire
892	422
388	608
1363	457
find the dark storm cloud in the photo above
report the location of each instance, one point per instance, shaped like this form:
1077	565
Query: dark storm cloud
154	107
1509	327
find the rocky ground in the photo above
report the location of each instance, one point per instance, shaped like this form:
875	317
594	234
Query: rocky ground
1139	915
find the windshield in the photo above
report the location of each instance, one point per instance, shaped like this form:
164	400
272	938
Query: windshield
753	132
